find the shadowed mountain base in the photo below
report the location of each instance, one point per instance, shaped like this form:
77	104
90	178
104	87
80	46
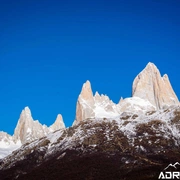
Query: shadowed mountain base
96	166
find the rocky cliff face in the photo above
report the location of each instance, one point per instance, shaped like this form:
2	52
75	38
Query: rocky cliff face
27	130
85	103
150	92
97	106
58	124
149	85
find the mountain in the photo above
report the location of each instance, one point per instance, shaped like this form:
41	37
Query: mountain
117	148
149	85
26	131
85	103
58	124
138	137
150	92
89	106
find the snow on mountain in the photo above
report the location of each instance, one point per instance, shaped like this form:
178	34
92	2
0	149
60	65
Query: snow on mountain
5	149
150	92
27	130
152	95
154	132
136	105
100	106
7	145
104	107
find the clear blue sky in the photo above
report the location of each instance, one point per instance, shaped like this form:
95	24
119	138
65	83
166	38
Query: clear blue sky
48	49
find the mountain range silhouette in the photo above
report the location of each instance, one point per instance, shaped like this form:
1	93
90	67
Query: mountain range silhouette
175	166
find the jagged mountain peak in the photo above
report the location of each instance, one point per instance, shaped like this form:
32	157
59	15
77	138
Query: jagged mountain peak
149	85
26	113
129	145
27	110
58	124
87	84
150	91
28	129
59	118
100	98
85	101
151	65
120	100
97	106
165	76
86	92
97	94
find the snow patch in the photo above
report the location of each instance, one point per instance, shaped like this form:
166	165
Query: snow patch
8	148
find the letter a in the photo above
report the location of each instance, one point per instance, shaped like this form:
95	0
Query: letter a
161	176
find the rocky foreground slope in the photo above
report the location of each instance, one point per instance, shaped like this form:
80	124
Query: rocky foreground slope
138	137
119	148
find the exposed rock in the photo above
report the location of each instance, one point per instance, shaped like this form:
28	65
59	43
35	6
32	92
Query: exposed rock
97	97
85	103
110	141
149	85
97	106
106	149
121	99
27	129
58	124
86	92
150	92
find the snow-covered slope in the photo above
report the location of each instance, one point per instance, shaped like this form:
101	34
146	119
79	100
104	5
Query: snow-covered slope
104	107
135	105
7	145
